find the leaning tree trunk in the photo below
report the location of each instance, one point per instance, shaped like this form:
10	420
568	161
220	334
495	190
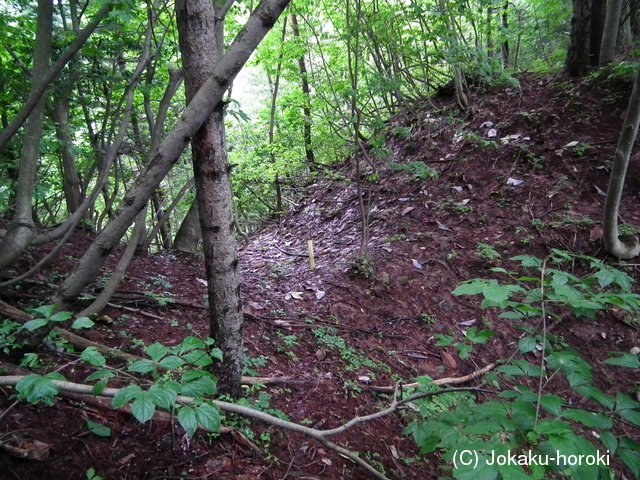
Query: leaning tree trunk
21	231
612	243
198	27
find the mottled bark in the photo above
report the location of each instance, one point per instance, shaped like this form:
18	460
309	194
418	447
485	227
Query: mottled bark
189	234
199	30
610	33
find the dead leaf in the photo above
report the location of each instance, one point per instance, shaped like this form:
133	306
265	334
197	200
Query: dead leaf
321	354
467	323
596	234
492	133
448	360
442	226
514	182
203	282
407	210
320	294
416	264
296	295
281	323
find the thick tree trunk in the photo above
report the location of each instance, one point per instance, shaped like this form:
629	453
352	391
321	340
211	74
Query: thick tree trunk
578	53
199	33
610	33
21	230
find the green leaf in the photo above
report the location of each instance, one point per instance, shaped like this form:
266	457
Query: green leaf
610	442
208	416
100	374
99	387
527	344
480	337
471	287
32	325
46	310
162	396
445	340
217	354
37	389
125	395
156	351
143	366
61	317
632	416
484	471
143	407
553	427
98	429
628	360
624	402
92	356
82	322
595	394
515	472
199	358
553	404
527	261
188	420
204	385
171	363
514	315
631	459
588	419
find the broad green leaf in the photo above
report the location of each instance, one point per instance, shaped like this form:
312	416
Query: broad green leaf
156	351
610	442
632	416
527	261
631	459
162	397
92	356
208	416
198	388
82	322
514	315
171	363
513	472
624	402
199	358
99	387
191	343
628	360
32	325
594	393
37	389
98	429
480	337
125	395
188	420
591	420
527	344
46	310
142	366
553	404
143	407
483	471
471	287
61	317
553	427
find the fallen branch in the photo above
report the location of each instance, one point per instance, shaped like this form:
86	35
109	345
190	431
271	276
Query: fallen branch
439	381
319	435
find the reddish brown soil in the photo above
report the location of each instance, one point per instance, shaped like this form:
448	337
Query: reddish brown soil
388	316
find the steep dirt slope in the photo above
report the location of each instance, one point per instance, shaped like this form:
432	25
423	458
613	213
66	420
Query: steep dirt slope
509	176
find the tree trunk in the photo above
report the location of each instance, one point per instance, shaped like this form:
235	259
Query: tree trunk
610	33
598	12
198	29
306	92
189	234
21	230
71	187
612	243
578	53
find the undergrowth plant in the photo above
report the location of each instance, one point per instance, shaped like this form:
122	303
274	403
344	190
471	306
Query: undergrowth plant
524	431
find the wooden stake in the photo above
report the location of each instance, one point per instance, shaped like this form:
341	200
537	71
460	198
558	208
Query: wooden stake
312	260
